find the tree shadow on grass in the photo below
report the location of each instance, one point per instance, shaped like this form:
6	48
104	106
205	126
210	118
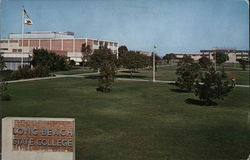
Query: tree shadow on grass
117	76
92	77
129	71
180	90
128	76
199	102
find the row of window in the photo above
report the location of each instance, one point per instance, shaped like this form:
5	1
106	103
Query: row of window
4	49
101	43
16	50
11	41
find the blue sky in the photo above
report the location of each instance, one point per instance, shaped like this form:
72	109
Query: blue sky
172	25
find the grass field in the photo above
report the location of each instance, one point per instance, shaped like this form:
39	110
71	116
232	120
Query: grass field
75	70
138	120
167	73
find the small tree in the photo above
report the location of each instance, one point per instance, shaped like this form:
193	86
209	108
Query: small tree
4	96
211	87
205	62
86	52
104	59
2	64
220	57
169	57
133	60
122	50
243	63
188	71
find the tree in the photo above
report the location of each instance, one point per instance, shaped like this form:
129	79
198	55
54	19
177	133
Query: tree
211	87
2	64
188	71
4	96
86	52
122	50
169	57
133	60
205	62
243	63
51	60
104	59
220	57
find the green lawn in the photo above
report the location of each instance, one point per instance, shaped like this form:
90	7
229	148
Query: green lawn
138	120
167	73
76	70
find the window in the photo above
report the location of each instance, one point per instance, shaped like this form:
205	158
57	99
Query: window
3	41
101	43
3	48
115	44
14	50
110	43
13	41
106	43
19	50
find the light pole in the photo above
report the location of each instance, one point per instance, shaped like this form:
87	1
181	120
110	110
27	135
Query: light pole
153	55
215	61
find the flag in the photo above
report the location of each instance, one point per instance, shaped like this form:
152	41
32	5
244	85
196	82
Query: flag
27	19
25	13
28	22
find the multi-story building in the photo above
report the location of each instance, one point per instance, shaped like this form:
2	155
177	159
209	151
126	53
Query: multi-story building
233	54
62	43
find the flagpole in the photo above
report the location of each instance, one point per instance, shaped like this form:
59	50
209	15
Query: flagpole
22	36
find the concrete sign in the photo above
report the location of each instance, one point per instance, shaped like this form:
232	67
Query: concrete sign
38	138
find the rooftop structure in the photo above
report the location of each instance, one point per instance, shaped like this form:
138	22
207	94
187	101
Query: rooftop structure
42	35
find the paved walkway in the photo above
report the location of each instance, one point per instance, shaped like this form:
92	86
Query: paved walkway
83	75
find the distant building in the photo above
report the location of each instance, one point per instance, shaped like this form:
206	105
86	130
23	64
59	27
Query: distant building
146	53
233	54
62	43
195	56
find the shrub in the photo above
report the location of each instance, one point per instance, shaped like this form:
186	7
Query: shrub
211	87
40	71
187	72
4	96
26	72
72	63
22	73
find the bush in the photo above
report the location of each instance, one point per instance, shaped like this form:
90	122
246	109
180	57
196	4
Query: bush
4	96
187	72
211	87
54	62
40	71
26	72
72	63
22	73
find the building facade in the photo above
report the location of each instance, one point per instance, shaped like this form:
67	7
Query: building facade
233	54
62	43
